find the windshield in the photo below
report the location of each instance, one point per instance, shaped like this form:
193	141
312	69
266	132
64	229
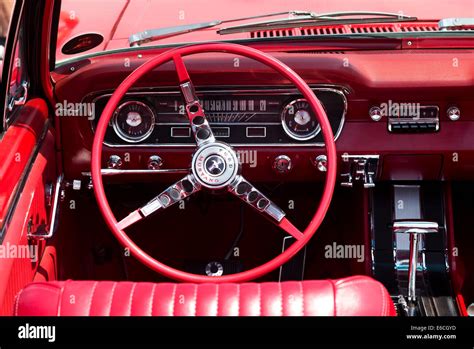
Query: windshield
91	26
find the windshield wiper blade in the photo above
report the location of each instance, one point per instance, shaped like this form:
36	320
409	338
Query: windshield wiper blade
311	18
162	33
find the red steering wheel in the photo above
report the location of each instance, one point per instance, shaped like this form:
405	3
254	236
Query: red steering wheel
215	165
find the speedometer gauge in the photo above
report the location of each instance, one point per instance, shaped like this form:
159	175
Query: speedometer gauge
298	120
133	121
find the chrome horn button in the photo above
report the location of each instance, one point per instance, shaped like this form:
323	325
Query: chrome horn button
215	165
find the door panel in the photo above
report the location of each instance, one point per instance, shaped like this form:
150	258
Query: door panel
28	167
16	149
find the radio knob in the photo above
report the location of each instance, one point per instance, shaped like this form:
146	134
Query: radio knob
114	162
282	164
155	162
453	113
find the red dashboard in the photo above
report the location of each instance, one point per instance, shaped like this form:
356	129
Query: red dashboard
439	81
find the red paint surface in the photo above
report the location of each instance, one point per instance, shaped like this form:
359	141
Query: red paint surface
116	20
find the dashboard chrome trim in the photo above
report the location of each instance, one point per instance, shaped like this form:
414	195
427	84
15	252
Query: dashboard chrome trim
120	133
341	90
288	131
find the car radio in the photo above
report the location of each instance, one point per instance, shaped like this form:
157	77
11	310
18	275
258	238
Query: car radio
413	118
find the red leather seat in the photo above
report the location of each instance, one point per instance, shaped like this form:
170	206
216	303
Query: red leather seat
358	295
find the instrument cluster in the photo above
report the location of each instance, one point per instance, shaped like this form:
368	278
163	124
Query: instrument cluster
237	117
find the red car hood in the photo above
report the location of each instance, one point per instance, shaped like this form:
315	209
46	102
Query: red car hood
116	20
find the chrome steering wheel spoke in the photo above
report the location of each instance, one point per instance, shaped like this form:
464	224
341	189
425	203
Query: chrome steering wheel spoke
245	191
200	128
175	193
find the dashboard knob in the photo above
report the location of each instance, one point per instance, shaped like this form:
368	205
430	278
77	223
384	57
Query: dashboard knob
470	309
453	113
375	113
155	162
114	162
282	164
321	163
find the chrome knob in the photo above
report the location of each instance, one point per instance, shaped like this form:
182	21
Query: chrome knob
282	164
321	163
470	310
453	113
114	162
155	162
375	113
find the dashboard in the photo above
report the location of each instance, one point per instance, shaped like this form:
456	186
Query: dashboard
256	111
272	116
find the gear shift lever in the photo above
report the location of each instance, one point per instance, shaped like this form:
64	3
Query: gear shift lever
415	228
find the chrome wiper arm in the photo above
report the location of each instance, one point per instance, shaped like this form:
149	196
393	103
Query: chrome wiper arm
456	23
162	33
311	18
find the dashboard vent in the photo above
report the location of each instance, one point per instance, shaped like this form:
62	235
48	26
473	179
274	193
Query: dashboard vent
348	29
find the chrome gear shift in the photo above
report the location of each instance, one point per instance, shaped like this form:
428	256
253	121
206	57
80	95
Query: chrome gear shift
415	228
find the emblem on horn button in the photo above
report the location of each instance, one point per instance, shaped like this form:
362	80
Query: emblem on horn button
215	165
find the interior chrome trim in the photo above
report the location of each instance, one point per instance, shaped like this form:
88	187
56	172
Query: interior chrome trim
114	171
53	218
122	135
255	127
16	17
290	132
339	89
416	120
222	124
414	226
175	128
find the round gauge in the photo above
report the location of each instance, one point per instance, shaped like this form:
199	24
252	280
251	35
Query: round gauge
298	120
133	121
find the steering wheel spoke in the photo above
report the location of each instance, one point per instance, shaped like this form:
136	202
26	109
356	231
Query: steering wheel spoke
256	199
170	196
200	128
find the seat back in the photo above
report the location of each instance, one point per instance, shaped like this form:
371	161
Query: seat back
353	296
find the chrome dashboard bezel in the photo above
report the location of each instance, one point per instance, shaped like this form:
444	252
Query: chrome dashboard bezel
279	90
120	133
290	132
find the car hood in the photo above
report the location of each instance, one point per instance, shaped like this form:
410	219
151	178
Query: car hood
116	20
